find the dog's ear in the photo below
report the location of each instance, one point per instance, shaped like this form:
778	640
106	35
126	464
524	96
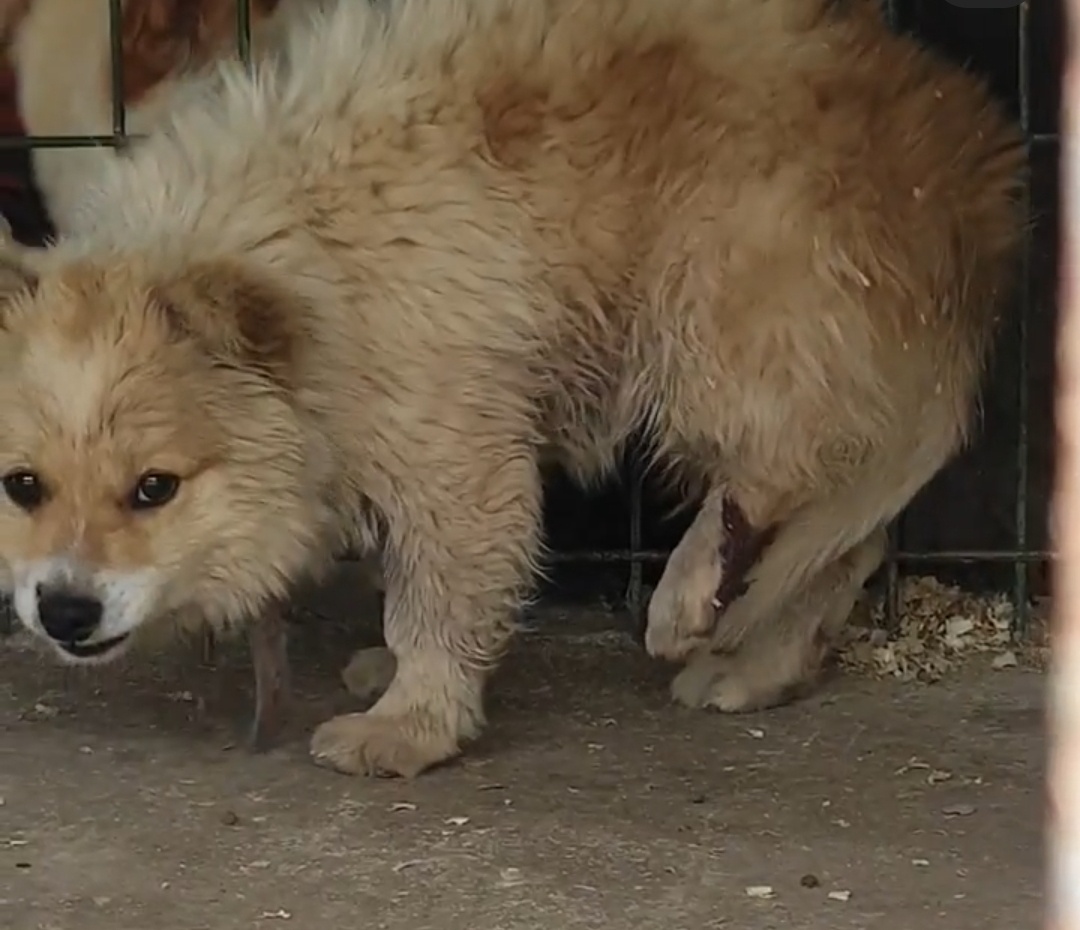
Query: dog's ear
160	38
234	314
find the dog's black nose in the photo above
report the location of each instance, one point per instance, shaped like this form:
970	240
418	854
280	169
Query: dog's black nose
67	617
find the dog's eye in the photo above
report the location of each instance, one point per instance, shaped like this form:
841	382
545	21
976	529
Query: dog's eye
154	489
24	489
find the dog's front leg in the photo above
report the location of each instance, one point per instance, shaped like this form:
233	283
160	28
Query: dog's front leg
462	540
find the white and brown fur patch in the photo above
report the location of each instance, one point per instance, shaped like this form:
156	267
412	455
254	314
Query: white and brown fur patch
351	302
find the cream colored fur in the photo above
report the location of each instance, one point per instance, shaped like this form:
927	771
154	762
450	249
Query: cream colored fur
348	303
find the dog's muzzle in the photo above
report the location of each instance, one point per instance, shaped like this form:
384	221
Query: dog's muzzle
71	619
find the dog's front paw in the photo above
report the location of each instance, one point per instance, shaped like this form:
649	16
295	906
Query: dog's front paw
381	745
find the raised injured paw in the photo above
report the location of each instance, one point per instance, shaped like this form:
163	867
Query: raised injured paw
705	574
679	622
381	744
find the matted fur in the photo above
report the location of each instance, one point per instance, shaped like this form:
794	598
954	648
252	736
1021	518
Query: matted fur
349	300
60	52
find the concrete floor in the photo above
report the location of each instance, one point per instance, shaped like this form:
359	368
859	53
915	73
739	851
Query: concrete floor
591	803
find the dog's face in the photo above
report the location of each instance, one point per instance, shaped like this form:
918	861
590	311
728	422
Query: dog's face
149	457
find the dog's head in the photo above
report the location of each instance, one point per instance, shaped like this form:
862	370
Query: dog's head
150	457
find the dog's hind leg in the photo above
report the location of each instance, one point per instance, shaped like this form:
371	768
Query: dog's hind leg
782	659
704	574
789	545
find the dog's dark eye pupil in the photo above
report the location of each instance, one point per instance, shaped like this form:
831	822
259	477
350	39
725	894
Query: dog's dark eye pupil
154	489
24	489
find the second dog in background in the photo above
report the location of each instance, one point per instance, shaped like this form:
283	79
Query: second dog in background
60	51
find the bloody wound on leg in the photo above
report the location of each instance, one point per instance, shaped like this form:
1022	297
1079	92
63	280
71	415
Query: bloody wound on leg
741	548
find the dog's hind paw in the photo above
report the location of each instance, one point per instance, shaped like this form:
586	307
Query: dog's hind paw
714	682
736	683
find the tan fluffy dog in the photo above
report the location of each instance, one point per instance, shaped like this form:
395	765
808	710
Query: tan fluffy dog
60	52
347	303
61	55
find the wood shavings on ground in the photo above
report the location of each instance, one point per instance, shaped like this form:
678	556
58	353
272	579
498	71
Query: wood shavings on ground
939	629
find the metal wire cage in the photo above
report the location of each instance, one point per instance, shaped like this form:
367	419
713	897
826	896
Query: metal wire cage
636	554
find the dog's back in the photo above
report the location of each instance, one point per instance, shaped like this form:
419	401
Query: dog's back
825	212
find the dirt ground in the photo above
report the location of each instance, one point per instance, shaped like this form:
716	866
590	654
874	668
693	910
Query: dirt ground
126	804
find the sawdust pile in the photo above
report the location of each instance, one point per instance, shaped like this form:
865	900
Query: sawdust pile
940	628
